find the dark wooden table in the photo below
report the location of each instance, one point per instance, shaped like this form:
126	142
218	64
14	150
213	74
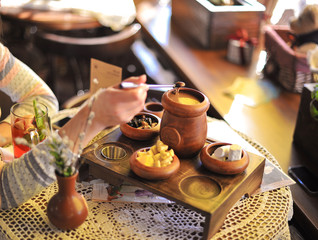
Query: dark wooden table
49	20
271	124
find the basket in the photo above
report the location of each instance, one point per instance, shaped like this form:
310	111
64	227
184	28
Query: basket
289	68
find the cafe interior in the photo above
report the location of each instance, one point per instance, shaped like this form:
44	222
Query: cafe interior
253	63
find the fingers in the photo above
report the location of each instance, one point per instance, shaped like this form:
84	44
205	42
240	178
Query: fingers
115	106
140	80
137	83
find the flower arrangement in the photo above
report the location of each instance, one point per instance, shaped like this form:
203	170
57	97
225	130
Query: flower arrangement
66	162
62	152
60	155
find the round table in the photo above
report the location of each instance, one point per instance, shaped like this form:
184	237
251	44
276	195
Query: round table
262	216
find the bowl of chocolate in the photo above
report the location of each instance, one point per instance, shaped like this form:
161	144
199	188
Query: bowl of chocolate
157	162
155	108
224	158
143	126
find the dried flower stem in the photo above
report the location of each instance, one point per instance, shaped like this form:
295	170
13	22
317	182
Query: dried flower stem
81	136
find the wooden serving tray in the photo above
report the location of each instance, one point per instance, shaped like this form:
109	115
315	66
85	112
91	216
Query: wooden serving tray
193	186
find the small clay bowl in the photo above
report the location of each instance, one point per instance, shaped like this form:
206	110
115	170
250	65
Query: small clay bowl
153	173
222	167
155	108
142	134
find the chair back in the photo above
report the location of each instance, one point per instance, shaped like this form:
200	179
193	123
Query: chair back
102	47
77	48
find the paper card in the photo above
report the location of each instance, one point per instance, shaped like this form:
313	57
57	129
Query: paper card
103	75
103	192
273	177
100	192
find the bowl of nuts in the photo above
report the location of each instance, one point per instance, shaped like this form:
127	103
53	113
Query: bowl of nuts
143	126
154	163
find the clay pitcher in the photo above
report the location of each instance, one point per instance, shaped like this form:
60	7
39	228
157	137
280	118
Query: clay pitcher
67	209
184	121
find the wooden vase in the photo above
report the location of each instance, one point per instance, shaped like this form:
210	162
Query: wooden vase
184	126
67	209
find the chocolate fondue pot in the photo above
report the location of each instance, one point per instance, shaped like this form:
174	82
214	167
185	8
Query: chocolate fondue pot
184	121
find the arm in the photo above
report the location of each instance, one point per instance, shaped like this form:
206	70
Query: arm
112	106
28	175
20	83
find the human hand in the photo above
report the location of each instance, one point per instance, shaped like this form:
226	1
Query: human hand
5	134
7	155
114	106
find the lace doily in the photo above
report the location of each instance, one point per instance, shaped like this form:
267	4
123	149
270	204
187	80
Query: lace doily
262	216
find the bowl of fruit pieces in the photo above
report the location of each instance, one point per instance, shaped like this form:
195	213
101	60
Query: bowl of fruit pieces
143	126
154	163
224	158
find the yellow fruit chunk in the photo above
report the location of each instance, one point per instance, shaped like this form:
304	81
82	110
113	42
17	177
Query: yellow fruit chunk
141	153
171	152
166	161
157	163
161	146
157	156
154	149
150	152
164	154
146	160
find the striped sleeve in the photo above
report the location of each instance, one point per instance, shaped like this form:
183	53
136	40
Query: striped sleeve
21	83
25	177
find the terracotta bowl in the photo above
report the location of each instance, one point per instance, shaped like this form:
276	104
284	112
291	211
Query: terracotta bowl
142	134
155	108
153	173
222	167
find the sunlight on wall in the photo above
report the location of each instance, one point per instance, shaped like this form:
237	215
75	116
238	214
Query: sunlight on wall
235	117
296	5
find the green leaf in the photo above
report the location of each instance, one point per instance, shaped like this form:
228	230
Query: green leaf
68	172
55	155
314	94
314	109
39	119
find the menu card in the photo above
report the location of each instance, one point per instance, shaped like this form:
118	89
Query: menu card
104	192
103	75
219	130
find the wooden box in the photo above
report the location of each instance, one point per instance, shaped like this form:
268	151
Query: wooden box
306	130
217	194
211	25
